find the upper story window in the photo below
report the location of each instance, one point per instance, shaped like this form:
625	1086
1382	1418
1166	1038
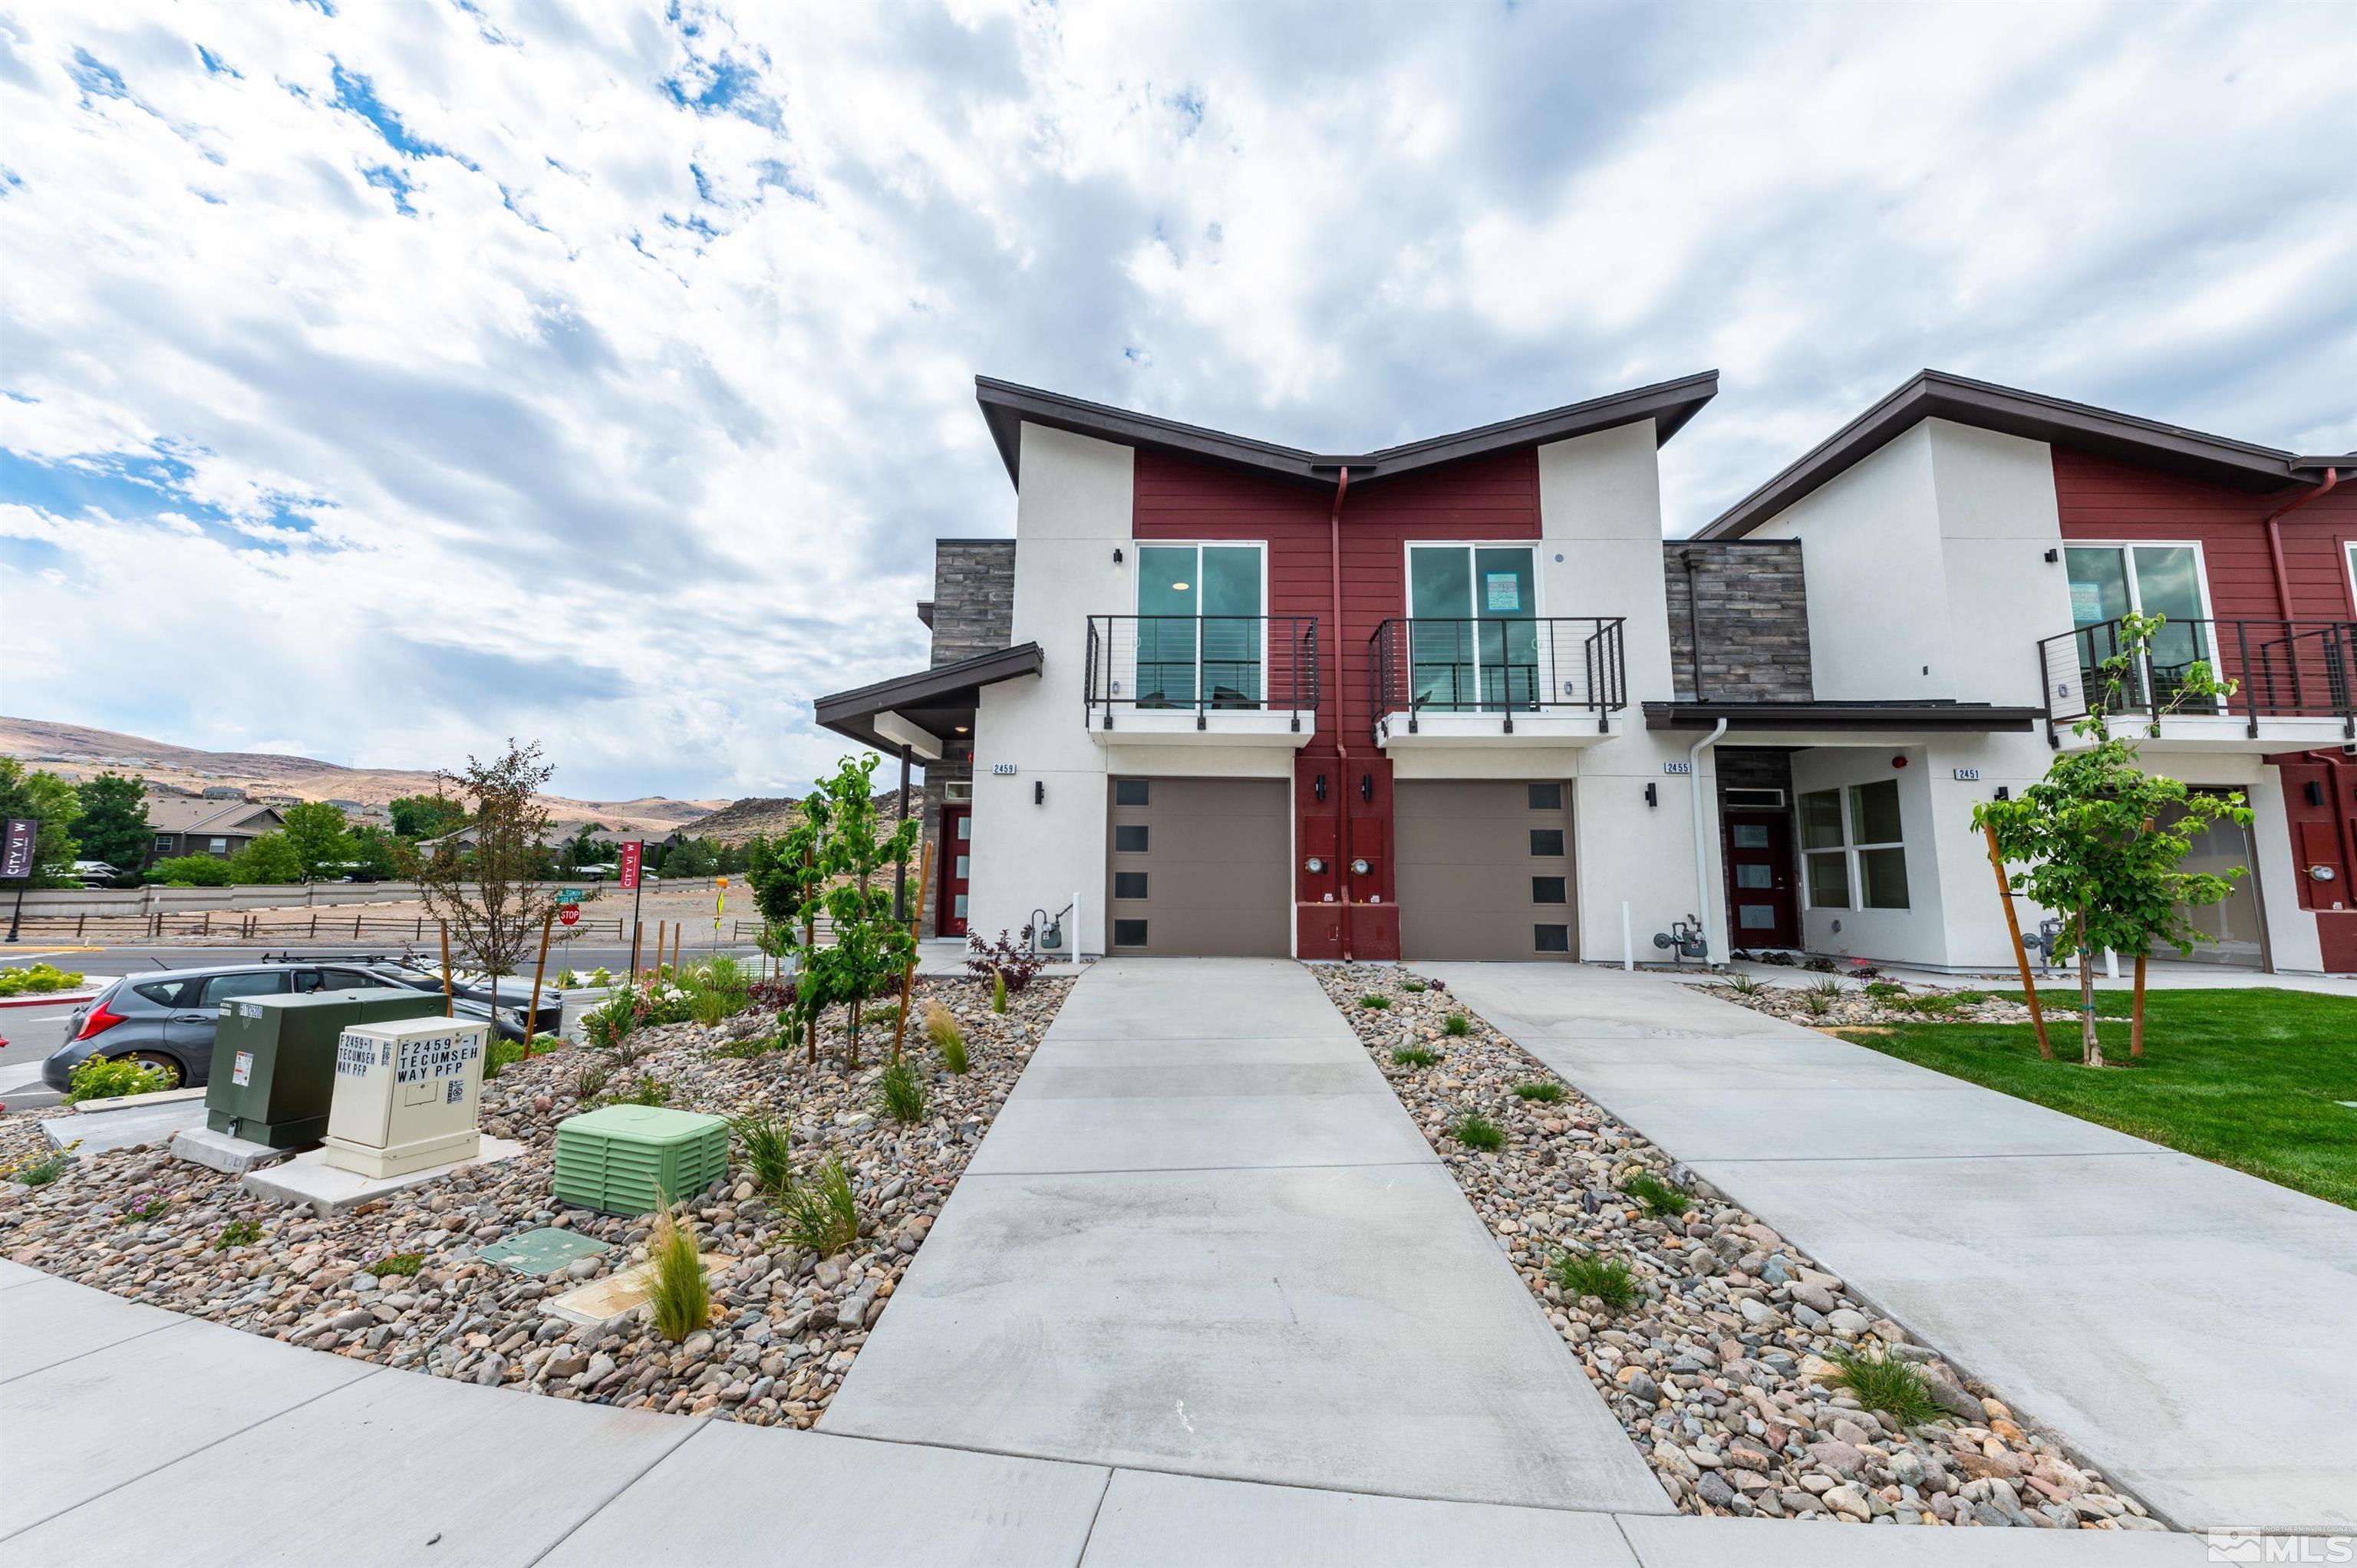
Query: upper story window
2108	581
1200	626
1474	611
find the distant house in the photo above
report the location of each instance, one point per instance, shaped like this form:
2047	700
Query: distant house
206	827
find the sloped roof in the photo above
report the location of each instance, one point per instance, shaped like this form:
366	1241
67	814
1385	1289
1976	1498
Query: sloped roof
172	814
1005	406
1936	394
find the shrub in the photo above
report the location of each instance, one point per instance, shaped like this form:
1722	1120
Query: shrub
1934	1006
611	1021
190	871
941	1027
1412	985
41	1168
601	976
632	1050
1416	1055
238	1233
1744	985
1457	1024
680	1295
1892	1387
823	1213
1816	1002
141	1207
1374	1002
500	1052
1010	958
1968	998
591	1080
1586	1273
103	1077
768	1147
1819	963
401	1265
1657	1196
37	978
1548	1092
772	995
900	1093
749	1048
1476	1131
648	1091
567	980
1882	990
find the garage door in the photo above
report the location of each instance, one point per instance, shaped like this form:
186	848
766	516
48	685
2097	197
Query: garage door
1484	869
1198	867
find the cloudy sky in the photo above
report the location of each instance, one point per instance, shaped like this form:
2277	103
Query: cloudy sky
378	379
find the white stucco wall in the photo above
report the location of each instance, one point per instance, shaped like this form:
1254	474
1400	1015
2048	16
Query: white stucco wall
1072	511
1997	519
1601	512
1916	934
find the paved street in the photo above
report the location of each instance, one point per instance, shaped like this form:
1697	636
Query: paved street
2184	1324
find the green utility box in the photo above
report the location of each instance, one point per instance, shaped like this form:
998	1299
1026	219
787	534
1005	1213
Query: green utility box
274	1069
625	1159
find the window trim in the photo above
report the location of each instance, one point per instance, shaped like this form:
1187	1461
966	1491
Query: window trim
1409	547
2135	593
1139	546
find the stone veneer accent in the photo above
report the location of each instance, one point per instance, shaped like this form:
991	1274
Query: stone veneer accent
973	613
1751	603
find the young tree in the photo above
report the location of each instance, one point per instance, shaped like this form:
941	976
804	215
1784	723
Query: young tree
2101	841
425	816
52	800
496	920
786	879
321	839
113	826
871	946
270	859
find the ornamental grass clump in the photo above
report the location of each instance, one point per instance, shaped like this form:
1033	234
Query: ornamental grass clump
769	1146
823	1213
942	1029
401	1265
1457	1024
591	1080
1374	1002
1588	1273
1414	1055
900	1093
1476	1131
1657	1196
1744	985
1412	985
1546	1093
1893	1388
680	1295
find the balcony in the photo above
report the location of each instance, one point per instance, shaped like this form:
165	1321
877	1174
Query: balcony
2293	683
1222	680
1558	680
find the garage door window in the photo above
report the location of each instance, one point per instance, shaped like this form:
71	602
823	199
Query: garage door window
1129	839
1546	841
1853	844
1546	889
1129	933
1132	793
1551	939
1129	884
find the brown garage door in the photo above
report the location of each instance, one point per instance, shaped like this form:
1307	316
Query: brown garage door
1484	869
1197	867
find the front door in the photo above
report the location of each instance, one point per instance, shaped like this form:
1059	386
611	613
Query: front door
1762	910
957	864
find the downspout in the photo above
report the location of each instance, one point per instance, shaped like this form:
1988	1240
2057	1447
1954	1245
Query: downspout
2274	537
1702	852
1341	718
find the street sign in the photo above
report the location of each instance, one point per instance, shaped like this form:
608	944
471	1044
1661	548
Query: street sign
16	853
722	881
567	913
632	851
568	896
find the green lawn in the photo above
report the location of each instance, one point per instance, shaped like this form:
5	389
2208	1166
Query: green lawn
2249	1078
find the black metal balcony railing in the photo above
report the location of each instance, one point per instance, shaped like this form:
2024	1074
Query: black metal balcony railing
1202	664
1503	667
2282	669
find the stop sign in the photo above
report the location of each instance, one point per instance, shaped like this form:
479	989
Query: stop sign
568	913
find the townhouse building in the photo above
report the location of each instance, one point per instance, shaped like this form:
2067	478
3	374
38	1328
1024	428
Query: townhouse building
1460	698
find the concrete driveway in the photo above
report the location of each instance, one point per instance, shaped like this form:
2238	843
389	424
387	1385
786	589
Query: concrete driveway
2186	1326
1203	1237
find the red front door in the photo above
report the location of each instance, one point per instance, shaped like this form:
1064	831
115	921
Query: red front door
957	845
1763	908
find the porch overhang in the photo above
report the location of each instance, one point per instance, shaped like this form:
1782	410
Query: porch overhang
933	711
1851	719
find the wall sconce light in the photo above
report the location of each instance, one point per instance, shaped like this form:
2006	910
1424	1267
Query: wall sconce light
2312	793
1652	795
1367	787
1116	556
1321	786
1039	792
2004	792
2052	556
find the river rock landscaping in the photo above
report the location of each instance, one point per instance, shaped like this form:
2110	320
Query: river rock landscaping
1726	1359
399	1283
1832	1004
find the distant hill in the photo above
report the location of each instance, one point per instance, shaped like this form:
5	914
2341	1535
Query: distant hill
76	752
767	816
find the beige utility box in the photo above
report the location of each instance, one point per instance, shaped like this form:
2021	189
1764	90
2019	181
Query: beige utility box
406	1095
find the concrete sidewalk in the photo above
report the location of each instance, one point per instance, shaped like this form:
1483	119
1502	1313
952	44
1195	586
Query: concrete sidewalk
136	1436
2186	1326
1203	1237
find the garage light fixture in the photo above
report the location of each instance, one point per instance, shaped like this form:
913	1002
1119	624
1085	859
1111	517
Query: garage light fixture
1321	786
1367	787
1652	796
1039	792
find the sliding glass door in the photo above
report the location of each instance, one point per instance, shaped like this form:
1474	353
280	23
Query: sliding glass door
1199	631
1473	631
2108	581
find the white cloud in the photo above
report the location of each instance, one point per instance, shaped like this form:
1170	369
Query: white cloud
390	378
